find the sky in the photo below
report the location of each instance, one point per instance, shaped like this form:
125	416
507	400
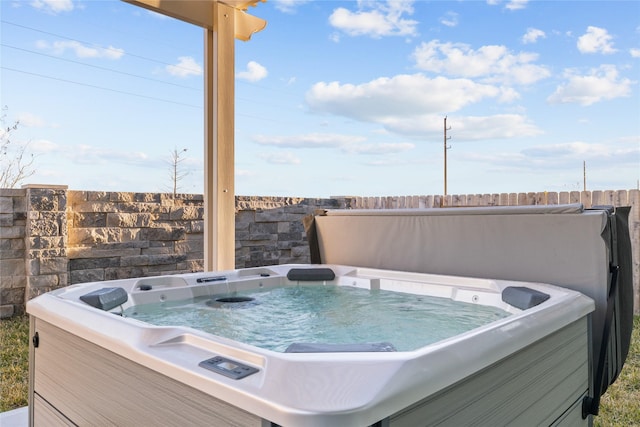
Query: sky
333	98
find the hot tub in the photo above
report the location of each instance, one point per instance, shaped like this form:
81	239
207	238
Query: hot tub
94	363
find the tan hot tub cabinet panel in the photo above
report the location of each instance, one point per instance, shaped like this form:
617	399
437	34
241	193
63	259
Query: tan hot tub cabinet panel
223	22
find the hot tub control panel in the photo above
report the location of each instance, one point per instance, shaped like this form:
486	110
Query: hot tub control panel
227	367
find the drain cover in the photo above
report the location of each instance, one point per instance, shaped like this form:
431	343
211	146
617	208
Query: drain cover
231	302
234	299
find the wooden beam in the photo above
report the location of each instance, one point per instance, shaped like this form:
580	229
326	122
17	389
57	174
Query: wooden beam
198	12
219	194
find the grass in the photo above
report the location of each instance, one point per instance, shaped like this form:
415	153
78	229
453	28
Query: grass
14	362
620	406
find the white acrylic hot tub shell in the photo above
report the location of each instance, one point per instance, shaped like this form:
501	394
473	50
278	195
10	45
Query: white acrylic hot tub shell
321	389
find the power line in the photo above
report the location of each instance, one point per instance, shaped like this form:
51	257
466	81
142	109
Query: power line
123	72
100	87
92	44
101	68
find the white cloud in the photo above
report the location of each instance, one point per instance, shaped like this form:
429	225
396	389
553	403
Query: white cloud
86	154
312	140
288	6
493	63
634	52
617	154
385	99
466	128
379	148
89	154
580	150
511	5
53	6
80	50
30	120
600	84
280	158
254	72
596	40
516	4
401	106
376	19
186	66
532	35
43	146
346	143
450	19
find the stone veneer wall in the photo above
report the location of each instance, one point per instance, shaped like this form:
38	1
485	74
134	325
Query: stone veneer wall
115	235
13	273
52	237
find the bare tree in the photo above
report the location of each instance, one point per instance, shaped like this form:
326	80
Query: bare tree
15	163
176	172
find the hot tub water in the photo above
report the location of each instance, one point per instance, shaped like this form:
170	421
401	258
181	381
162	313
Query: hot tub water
275	318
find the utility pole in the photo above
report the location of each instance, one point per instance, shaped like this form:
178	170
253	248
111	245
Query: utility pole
584	175
446	138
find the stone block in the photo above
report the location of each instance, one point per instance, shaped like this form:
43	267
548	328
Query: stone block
196	227
14	232
133	261
154	208
43	201
100	196
129	220
93	263
245	217
84	276
116	196
242	227
147	197
259	238
271	215
12	267
47	225
284	227
13	282
12	254
155	260
264	228
11	296
46	242
53	265
195	265
48	253
6	219
89	252
6	205
290	237
49	281
300	251
6	311
165	233
185	213
13	192
134	244
297	226
89	219
125	273
188	246
158	250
